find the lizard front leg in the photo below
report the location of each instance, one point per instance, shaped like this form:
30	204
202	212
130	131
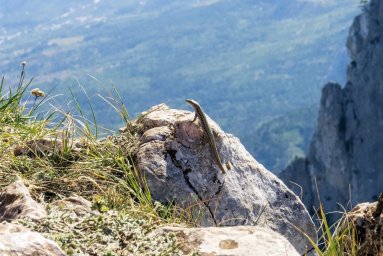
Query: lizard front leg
195	116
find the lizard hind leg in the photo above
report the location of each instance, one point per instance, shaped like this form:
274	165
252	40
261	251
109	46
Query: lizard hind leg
228	165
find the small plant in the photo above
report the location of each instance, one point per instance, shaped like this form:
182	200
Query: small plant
10	100
336	240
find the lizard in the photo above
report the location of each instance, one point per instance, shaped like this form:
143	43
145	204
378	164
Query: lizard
206	128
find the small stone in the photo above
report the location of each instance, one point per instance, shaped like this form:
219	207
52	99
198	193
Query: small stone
77	204
16	202
17	240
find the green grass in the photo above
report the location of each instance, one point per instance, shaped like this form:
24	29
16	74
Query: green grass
336	239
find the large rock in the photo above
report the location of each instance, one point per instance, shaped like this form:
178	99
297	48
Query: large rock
16	202
345	159
17	240
234	241
175	158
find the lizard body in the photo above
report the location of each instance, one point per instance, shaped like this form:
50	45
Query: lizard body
206	128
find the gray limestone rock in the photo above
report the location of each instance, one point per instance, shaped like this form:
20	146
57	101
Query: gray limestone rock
18	240
346	154
175	158
16	202
235	241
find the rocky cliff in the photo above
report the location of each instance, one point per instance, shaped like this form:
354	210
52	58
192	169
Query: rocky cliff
345	160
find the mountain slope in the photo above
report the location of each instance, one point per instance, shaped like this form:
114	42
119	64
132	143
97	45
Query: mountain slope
246	62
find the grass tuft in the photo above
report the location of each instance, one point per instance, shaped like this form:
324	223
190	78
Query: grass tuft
337	239
59	154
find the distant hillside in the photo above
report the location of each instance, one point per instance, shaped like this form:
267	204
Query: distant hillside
287	137
246	62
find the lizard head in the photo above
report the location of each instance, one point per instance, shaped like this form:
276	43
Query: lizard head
192	102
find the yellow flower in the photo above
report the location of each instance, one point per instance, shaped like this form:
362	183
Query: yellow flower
38	93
